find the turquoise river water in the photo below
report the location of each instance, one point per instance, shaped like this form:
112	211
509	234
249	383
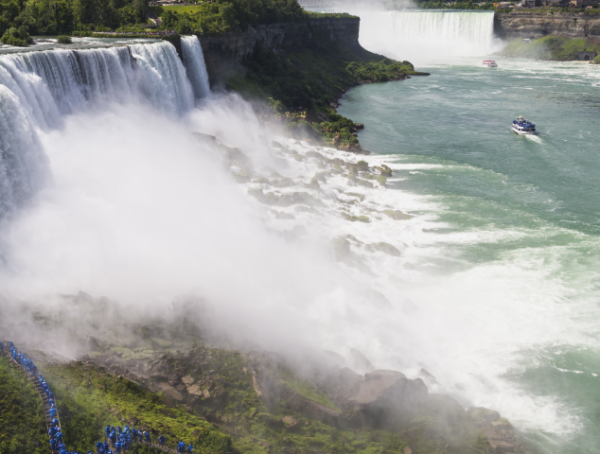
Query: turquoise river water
521	212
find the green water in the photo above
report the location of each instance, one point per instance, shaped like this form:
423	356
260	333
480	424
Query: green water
526	207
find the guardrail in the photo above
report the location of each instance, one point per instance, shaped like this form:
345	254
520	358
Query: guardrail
18	360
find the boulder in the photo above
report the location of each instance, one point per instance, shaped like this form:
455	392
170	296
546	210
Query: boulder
195	390
384	398
187	380
397	215
386	248
498	431
170	392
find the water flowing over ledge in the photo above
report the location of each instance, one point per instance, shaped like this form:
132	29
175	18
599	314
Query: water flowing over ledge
37	90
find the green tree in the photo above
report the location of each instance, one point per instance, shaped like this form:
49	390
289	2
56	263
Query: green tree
85	11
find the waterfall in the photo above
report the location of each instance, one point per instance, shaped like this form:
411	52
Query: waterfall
428	36
164	80
37	89
193	58
23	165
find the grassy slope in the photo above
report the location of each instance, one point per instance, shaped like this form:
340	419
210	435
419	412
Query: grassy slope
549	48
89	398
22	425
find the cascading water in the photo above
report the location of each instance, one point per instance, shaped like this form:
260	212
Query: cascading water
193	59
23	165
427	36
37	89
164	80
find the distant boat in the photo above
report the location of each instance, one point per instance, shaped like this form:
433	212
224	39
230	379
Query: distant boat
489	63
522	127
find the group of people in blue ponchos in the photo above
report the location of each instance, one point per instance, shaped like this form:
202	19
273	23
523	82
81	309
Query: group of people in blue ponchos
121	439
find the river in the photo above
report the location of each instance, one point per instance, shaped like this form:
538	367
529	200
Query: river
514	245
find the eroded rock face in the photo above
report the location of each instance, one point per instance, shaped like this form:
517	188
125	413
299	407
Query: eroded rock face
224	53
537	25
385	397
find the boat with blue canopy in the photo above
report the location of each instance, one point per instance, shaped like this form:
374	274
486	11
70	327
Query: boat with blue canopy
522	127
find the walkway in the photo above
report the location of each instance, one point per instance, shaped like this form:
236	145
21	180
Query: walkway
26	366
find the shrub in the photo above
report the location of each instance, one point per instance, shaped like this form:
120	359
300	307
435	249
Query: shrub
16	37
64	39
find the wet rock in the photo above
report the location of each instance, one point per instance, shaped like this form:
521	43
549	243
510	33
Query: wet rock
314	154
314	184
352	218
362	166
498	431
386	248
397	215
364	183
187	380
385	396
195	390
384	170
170	391
321	176
289	199
289	422
282	183
308	407
382	180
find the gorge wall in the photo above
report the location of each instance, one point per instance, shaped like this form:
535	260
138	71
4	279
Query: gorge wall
223	54
537	25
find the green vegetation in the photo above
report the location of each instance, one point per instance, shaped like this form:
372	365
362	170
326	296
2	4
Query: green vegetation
304	388
223	16
549	48
89	399
16	37
63	39
65	17
22	424
304	86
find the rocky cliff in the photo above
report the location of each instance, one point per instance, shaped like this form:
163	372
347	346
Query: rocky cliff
223	54
536	25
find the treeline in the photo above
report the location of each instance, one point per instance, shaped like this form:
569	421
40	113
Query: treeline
21	18
62	17
223	16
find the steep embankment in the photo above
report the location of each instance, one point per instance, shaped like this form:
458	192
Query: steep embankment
22	425
224	54
536	25
301	68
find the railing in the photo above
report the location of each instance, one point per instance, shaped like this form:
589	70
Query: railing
168	446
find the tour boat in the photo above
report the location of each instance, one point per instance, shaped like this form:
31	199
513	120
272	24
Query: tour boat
489	63
522	126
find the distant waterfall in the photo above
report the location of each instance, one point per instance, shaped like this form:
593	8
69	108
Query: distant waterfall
193	58
427	36
38	88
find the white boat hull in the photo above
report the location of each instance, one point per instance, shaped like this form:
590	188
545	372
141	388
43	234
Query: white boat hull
524	133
